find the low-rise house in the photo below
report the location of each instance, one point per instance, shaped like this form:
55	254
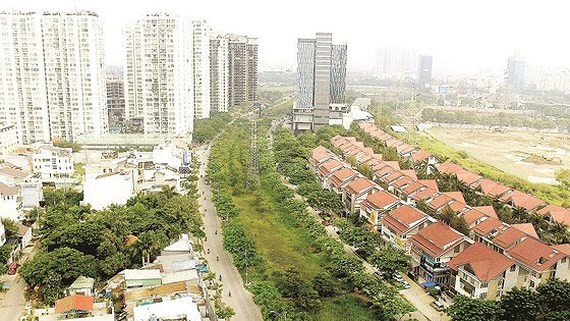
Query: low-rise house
481	273
556	214
319	155
32	194
490	188
178	268
10	202
52	163
524	201
356	191
172	155
142	278
400	224
24	235
82	286
421	156
468	178
526	228
326	170
416	187
341	178
10	175
77	308
542	261
424	194
182	246
376	205
478	214
439	202
432	248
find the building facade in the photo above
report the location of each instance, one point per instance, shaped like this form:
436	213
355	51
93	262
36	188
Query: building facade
424	70
321	81
52	75
242	75
201	68
8	140
398	62
115	99
219	73
158	77
515	74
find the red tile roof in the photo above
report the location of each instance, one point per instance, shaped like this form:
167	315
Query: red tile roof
404	149
535	255
492	188
424	194
431	183
458	207
526	228
384	171
404	218
458	196
472	215
8	171
74	303
420	156
319	155
486	263
329	166
437	239
509	237
564	248
522	200
557	213
468	178
359	185
402	182
449	167
393	176
487	210
341	176
410	173
7	190
412	187
488	226
439	201
380	200
561	217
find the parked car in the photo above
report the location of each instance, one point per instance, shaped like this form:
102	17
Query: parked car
379	275
12	268
405	284
438	306
397	277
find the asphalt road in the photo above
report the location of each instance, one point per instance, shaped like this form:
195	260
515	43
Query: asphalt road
13	303
241	300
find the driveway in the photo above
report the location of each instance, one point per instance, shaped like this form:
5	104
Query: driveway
241	300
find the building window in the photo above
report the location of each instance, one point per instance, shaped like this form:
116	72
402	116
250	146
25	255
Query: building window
513	268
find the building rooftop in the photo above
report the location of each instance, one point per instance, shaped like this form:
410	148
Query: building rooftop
381	199
486	263
142	274
403	219
535	255
420	156
449	168
82	282
7	190
359	185
437	238
74	303
327	167
526	228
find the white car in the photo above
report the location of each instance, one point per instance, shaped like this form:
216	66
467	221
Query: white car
405	284
397	277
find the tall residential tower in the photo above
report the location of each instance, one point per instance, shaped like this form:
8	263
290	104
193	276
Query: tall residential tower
424	70
201	68
321	81
51	75
242	69
159	76
515	74
219	73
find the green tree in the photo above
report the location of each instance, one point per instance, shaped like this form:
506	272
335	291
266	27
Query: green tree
520	305
554	296
325	285
467	309
390	260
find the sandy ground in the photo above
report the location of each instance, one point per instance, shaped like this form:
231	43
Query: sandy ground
533	156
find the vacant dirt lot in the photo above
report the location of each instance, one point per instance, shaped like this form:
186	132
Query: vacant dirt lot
533	156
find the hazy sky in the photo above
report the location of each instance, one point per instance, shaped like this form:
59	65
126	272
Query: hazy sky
463	36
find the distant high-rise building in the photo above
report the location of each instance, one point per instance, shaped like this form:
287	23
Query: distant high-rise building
52	78
515	74
321	81
396	61
115	98
424	70
242	69
159	75
201	66
219	73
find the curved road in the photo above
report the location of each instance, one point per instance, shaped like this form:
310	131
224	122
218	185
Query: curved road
241	300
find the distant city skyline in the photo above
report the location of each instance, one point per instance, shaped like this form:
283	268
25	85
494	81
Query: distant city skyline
463	37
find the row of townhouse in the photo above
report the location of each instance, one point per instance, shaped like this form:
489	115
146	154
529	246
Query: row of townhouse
511	197
493	259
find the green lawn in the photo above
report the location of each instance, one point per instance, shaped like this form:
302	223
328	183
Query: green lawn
283	246
346	307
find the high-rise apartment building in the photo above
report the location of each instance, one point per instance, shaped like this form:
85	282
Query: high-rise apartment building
242	69
201	67
515	74
51	75
219	73
159	76
115	98
424	70
321	81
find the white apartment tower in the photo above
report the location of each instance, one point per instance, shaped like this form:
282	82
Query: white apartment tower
201	67
219	73
51	75
159	75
